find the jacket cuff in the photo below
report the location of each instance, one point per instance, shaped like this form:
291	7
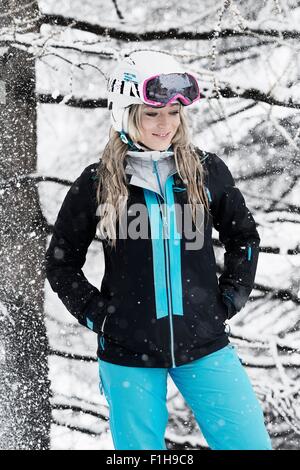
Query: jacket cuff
229	302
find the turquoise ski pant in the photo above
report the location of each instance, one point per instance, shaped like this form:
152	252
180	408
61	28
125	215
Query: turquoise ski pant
215	387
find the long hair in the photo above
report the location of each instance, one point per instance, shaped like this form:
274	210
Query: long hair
112	189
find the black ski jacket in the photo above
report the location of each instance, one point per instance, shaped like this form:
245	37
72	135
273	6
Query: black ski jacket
159	303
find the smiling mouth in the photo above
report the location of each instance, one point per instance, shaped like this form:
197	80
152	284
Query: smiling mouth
162	136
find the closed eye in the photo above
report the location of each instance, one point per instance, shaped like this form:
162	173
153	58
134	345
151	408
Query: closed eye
155	114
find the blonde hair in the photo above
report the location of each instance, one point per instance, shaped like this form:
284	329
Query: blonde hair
112	189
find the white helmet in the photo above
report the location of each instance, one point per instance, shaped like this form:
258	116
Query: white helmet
150	77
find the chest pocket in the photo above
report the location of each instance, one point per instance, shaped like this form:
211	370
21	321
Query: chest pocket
178	189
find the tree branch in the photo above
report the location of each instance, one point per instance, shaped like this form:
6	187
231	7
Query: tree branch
171	33
78	409
73	102
76	357
226	92
260	365
118	11
76	428
256	95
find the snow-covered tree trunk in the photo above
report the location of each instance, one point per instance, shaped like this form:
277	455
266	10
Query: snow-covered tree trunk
24	386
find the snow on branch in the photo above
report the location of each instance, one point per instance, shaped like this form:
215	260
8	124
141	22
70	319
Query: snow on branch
72	101
76	357
226	92
77	428
78	409
171	33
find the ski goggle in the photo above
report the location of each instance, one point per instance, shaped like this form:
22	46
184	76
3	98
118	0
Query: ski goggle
162	89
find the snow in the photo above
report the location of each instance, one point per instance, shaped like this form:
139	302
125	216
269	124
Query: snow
249	139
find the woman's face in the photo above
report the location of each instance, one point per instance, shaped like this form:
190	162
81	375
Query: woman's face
159	125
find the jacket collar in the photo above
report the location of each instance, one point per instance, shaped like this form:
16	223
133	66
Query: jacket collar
141	166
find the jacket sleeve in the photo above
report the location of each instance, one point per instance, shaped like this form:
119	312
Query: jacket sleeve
73	232
237	232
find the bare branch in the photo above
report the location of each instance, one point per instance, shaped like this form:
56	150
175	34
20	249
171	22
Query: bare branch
118	11
78	409
76	428
76	357
226	92
171	33
72	101
258	365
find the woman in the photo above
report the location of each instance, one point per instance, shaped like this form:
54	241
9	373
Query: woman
161	308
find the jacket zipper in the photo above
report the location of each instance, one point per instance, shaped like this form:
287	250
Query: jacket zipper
167	256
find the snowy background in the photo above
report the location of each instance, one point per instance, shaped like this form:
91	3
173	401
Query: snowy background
257	134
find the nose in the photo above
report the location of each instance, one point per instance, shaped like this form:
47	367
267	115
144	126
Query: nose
162	122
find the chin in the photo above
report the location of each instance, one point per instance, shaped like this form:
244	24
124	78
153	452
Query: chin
162	147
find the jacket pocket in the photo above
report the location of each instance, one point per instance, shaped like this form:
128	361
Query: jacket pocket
107	327
208	322
104	323
110	330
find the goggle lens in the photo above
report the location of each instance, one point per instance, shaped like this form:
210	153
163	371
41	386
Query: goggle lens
161	89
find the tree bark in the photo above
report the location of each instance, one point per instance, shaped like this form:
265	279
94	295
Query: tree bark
24	385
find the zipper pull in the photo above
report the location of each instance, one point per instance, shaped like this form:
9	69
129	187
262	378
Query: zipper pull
208	194
165	224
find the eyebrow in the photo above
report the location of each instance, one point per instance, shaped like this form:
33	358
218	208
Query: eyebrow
154	107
